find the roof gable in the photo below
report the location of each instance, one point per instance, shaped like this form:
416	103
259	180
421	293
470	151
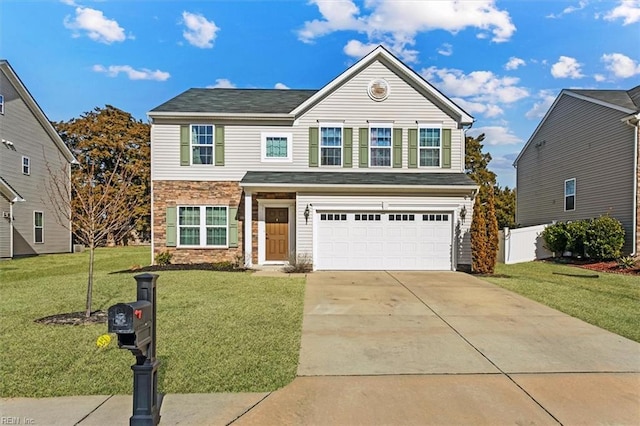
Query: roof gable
627	101
35	109
395	65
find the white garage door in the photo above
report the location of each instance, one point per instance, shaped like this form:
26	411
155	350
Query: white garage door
384	241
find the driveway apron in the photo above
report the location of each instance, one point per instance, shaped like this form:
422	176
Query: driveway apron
448	348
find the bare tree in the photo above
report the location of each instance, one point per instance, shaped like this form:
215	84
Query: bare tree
96	209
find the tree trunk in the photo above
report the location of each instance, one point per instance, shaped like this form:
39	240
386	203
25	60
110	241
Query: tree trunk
90	281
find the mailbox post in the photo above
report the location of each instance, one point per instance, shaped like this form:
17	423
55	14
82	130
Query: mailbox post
135	325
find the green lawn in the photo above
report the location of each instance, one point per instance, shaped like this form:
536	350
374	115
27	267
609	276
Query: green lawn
217	331
611	301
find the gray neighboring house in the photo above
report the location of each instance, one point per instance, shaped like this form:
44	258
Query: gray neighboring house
366	173
28	226
582	162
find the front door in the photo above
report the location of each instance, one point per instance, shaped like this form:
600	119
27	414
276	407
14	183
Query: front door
277	233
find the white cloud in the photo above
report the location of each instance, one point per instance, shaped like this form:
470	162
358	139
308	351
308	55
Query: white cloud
446	49
488	110
620	65
396	24
199	32
357	49
627	10
514	63
495	135
133	74
222	83
599	78
569	9
478	86
281	86
96	25
566	67
540	108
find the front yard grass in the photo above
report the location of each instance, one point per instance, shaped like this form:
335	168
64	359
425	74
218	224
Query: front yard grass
217	331
611	301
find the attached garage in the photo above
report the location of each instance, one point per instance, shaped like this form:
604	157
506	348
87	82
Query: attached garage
375	240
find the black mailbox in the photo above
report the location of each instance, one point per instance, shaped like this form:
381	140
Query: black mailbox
132	322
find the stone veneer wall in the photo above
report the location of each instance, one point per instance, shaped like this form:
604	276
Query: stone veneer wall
173	193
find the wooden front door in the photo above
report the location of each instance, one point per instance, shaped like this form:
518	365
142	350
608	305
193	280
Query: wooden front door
277	233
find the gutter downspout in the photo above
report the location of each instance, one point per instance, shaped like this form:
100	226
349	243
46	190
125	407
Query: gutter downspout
634	121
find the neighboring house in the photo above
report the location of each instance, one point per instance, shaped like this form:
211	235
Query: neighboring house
28	226
582	162
366	173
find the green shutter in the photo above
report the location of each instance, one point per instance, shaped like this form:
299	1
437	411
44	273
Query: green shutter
233	227
364	147
185	149
171	226
219	145
397	148
313	147
347	161
413	148
446	148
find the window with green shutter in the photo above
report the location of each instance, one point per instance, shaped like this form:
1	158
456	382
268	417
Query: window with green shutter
397	148
313	147
201	144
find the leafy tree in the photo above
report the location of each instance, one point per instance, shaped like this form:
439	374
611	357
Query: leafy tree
505	199
476	162
109	186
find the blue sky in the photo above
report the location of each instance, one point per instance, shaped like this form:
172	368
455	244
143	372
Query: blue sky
504	62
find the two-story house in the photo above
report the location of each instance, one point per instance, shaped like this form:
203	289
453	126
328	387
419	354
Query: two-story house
366	173
29	147
582	161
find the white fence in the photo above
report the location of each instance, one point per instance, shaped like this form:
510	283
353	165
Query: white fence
522	245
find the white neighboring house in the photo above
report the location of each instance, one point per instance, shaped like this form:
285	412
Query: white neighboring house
366	173
28	226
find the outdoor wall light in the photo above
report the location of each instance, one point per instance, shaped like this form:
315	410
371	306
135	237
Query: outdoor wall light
463	213
306	214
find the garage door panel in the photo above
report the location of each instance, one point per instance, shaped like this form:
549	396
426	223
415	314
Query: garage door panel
377	241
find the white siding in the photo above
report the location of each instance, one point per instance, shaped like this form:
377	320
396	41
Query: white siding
5	228
349	104
305	244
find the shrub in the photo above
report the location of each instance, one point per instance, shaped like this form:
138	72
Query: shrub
604	238
576	234
479	240
556	237
163	258
626	262
300	264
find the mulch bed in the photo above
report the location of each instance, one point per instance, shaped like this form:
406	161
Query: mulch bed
74	318
610	266
183	267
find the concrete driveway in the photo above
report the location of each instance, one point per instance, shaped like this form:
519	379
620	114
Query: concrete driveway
448	348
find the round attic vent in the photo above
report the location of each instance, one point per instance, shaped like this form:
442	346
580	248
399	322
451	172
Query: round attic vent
378	89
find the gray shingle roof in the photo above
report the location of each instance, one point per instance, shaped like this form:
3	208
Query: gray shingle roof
357	178
7	189
236	101
629	99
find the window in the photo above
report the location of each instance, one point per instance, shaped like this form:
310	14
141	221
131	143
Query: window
429	142
276	146
203	226
1	104
26	165
38	227
402	217
569	194
331	145
435	217
330	216
380	145
374	217
202	144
